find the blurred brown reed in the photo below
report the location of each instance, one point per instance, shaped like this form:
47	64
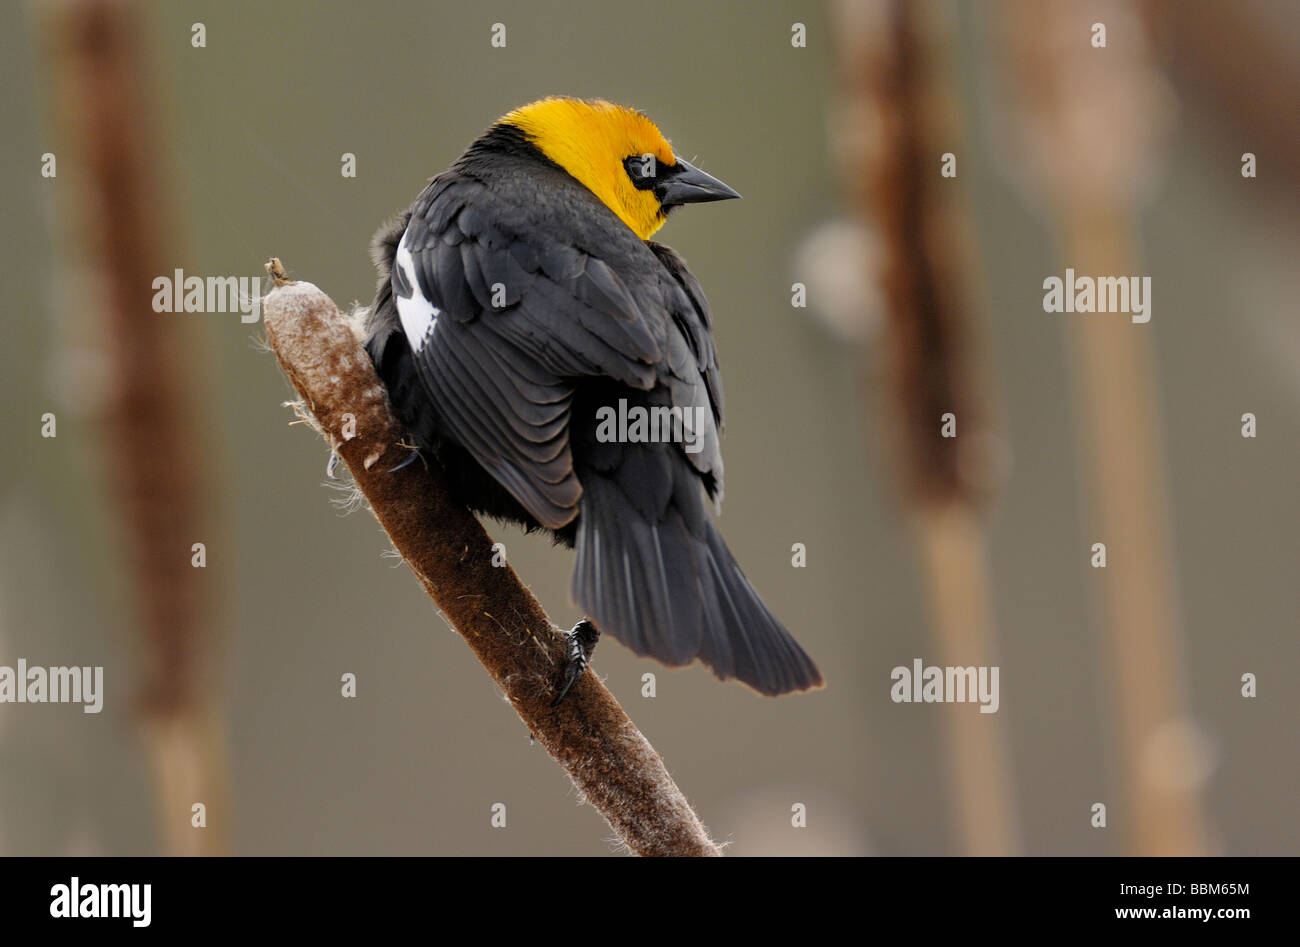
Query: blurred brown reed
117	223
894	123
1086	126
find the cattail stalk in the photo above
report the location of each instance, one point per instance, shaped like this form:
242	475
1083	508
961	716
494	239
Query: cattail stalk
895	124
612	765
117	216
1086	125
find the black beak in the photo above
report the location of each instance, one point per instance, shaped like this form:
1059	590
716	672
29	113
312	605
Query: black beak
684	183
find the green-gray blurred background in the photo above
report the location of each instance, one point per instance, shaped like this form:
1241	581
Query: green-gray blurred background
254	127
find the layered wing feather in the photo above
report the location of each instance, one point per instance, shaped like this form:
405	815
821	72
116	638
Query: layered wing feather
526	310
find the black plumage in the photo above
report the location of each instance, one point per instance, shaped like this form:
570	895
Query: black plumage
548	308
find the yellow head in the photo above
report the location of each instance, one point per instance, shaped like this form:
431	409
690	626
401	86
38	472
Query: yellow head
619	155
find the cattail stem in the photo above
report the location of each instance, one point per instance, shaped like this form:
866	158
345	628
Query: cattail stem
955	565
889	86
589	735
118	222
1089	120
1116	409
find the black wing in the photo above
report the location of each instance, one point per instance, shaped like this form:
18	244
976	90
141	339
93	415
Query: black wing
532	299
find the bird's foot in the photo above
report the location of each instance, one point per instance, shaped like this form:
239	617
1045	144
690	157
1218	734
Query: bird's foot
581	643
406	463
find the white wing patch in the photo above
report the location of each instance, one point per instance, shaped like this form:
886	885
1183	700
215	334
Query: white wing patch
418	315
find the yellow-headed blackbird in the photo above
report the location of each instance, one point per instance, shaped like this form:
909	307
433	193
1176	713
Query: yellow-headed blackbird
560	367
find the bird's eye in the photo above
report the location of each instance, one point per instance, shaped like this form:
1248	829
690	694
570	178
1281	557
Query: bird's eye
642	170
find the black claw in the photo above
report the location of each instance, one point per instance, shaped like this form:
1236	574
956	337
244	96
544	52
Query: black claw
581	643
409	460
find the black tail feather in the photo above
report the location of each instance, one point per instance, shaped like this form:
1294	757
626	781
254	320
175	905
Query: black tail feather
673	591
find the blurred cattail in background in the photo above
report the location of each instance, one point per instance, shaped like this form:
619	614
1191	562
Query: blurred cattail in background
1088	113
895	130
118	227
